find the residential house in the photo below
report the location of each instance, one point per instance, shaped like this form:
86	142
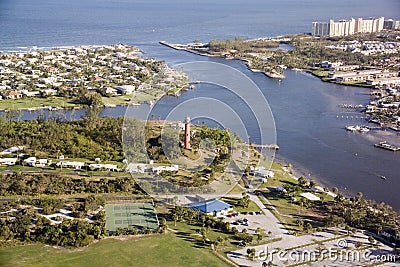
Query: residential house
125	89
159	169
107	167
41	163
8	161
261	172
137	167
109	91
11	94
70	164
31	161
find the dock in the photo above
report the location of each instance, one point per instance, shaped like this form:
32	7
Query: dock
387	146
270	146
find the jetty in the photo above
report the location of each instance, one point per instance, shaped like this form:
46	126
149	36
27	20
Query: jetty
270	146
387	146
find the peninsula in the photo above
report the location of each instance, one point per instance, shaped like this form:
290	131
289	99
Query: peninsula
85	75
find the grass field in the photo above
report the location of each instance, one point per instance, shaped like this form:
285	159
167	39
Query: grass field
159	250
31	102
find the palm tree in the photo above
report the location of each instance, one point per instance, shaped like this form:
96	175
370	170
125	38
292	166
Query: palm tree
175	217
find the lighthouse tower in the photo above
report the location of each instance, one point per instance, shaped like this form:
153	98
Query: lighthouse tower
187	133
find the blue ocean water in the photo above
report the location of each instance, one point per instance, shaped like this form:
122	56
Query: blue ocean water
78	22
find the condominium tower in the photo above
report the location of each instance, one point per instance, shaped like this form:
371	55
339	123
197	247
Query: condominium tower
347	27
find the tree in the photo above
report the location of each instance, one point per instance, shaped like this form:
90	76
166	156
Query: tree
303	181
260	233
175	217
371	240
251	253
245	200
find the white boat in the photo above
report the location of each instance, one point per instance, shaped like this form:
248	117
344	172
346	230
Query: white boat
357	128
351	128
109	105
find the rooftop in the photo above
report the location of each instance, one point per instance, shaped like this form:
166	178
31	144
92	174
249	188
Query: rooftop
209	206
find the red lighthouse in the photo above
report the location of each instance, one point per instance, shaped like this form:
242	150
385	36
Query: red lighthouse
187	133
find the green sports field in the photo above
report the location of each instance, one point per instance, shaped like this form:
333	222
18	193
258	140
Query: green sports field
125	215
158	250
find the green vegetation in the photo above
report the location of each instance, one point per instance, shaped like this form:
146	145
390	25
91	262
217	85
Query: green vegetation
169	249
25	103
88	138
29	225
241	206
26	184
300	215
83	76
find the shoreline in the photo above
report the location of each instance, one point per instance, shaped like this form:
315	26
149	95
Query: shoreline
180	47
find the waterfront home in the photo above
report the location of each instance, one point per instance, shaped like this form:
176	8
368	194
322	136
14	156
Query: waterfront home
391	81
31	93
11	94
8	161
261	172
125	89
70	164
48	92
344	68
214	207
109	91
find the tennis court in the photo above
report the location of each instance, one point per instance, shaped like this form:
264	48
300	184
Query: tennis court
125	215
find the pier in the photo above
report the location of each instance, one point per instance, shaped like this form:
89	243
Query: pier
387	146
270	146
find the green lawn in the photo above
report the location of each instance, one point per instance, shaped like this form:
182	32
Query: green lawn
234	202
160	250
31	102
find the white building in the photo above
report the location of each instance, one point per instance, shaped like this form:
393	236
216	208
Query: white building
42	163
108	167
70	164
125	89
159	169
347	27
31	161
8	161
137	167
261	172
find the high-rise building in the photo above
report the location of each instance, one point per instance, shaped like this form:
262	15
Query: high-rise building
347	27
391	24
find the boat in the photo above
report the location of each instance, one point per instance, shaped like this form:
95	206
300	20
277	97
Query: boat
382	177
108	105
361	129
351	128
